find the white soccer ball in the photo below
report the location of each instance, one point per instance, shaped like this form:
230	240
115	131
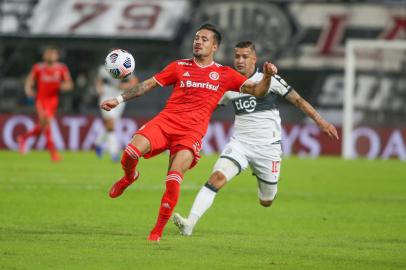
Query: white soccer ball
119	63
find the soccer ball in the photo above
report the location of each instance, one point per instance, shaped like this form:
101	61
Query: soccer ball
119	63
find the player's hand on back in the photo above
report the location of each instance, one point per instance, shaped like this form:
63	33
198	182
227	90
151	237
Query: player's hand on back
270	69
30	93
109	104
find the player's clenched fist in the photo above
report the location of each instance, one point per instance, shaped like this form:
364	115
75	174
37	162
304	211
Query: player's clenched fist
109	104
270	69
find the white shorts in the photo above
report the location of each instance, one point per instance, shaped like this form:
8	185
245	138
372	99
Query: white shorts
115	113
264	160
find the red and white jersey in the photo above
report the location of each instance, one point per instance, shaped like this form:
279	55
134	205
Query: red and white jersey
196	92
48	78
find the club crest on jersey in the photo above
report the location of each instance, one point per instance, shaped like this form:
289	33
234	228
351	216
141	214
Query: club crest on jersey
214	76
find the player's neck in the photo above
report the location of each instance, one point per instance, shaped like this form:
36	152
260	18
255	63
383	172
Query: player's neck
203	61
250	72
50	64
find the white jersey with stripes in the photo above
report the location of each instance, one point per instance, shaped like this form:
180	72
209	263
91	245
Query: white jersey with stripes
257	120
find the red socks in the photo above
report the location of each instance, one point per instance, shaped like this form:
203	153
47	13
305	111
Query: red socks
50	142
129	161
36	131
169	201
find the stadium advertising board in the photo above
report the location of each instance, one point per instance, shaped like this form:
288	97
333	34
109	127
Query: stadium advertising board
80	132
125	18
300	34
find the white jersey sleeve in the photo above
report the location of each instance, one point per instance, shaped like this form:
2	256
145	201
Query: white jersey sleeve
280	86
225	99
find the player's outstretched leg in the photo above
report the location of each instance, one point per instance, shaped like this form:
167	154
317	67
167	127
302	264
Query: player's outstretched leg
168	203
98	144
113	146
201	204
55	157
206	196
184	225
22	139
129	161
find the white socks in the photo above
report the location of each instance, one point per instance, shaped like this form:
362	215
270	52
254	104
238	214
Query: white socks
112	144
203	201
100	139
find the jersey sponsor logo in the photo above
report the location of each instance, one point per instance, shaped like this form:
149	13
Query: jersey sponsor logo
186	74
204	85
247	105
214	76
54	77
184	63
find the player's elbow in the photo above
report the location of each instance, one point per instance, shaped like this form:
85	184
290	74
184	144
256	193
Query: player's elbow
67	86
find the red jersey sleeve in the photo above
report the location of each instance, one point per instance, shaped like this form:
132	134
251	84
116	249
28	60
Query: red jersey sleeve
167	76
35	72
235	80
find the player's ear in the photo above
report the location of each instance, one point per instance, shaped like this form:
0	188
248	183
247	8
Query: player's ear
215	46
254	56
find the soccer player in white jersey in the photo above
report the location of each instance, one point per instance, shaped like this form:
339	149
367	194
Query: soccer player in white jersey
256	141
108	87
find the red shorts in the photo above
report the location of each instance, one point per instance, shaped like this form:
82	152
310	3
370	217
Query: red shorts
46	107
163	135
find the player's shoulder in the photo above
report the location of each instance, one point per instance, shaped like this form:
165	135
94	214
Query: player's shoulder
256	76
280	81
60	65
183	62
223	68
276	79
39	65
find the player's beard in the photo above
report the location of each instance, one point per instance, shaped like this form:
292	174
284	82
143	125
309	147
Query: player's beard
197	55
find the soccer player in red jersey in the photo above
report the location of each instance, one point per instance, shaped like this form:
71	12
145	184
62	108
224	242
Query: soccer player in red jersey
199	83
48	77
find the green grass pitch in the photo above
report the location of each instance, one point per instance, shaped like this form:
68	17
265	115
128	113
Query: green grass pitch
329	214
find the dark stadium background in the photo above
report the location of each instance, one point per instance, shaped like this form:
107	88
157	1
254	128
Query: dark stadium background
286	32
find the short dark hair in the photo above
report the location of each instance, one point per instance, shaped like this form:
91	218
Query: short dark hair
213	28
246	44
50	47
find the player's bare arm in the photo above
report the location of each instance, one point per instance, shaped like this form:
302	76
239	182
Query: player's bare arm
130	83
308	109
67	84
138	90
28	86
99	86
260	89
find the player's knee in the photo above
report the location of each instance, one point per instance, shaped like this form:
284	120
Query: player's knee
109	124
217	180
267	193
223	171
266	203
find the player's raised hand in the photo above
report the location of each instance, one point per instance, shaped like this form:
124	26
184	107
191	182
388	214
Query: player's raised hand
270	69
330	130
109	104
